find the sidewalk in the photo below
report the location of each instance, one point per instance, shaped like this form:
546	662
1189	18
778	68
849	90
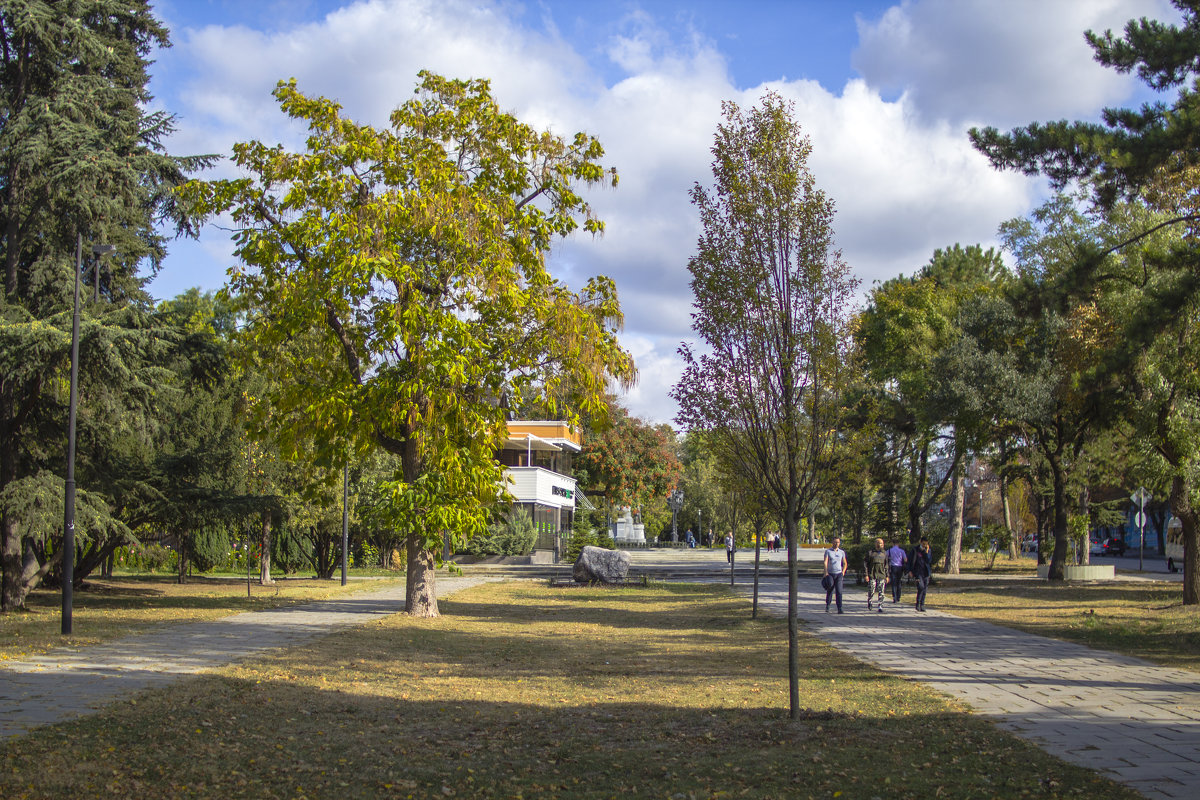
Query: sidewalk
69	682
1137	722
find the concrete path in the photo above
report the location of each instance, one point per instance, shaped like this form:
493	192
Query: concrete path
69	682
1134	721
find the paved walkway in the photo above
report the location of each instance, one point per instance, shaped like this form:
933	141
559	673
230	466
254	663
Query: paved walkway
68	682
1134	721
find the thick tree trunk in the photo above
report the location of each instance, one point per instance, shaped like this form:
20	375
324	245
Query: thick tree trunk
264	555
954	541
420	597
1182	505
12	555
1061	533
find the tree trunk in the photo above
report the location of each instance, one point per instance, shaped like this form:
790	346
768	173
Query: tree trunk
264	555
759	524
183	559
12	558
1061	533
420	598
789	527
954	541
1014	537
1182	505
1085	554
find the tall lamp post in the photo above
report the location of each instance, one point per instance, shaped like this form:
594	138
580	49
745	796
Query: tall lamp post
675	503
68	557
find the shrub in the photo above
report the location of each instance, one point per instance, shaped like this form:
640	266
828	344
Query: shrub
146	558
583	536
512	536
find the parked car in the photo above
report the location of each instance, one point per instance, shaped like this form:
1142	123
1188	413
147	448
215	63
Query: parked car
1114	547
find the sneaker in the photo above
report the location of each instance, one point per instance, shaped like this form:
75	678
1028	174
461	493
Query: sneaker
827	608
881	609
839	611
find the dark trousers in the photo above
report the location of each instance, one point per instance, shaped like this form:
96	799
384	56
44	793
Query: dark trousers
835	591
896	577
922	586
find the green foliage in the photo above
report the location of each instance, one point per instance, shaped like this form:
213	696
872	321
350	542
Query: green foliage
628	461
401	272
771	298
84	163
586	536
151	557
207	547
513	535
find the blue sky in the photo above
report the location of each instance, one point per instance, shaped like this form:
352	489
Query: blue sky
885	91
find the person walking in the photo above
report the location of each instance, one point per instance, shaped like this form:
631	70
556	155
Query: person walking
875	566
835	573
897	563
921	567
729	547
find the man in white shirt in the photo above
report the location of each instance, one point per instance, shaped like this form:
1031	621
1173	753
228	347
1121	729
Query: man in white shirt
835	569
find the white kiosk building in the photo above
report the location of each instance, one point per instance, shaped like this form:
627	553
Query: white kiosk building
537	458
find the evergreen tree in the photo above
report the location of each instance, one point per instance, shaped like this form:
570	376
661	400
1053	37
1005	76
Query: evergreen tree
80	158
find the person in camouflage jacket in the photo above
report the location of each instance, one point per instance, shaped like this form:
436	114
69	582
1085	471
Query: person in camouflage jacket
875	567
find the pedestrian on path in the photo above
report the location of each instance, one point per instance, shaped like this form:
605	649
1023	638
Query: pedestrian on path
729	547
921	568
897	563
875	567
835	573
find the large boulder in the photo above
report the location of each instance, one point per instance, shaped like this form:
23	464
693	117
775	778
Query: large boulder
597	564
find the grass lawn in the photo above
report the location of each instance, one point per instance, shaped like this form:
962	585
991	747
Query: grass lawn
521	690
108	609
1140	619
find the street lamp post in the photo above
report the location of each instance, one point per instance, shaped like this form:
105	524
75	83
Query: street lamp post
68	551
675	503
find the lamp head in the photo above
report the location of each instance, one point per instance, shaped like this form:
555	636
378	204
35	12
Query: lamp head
103	249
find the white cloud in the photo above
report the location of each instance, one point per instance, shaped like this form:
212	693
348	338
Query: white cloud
998	62
899	166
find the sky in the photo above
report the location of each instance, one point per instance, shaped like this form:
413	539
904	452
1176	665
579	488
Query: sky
886	92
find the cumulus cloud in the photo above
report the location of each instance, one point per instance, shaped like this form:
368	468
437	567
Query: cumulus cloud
890	149
998	62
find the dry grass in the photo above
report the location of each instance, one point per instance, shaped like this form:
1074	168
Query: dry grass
520	690
108	609
1140	619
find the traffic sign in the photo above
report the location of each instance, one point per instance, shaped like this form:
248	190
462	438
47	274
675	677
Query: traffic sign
1141	497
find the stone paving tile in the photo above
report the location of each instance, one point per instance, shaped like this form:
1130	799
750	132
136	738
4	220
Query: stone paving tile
67	683
1134	721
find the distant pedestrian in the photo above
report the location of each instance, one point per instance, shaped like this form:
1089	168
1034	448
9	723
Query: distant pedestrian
897	566
835	573
921	567
729	547
691	540
875	566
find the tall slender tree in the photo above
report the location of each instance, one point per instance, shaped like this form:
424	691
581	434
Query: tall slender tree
772	298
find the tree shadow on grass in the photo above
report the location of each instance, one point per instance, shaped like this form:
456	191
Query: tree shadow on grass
256	736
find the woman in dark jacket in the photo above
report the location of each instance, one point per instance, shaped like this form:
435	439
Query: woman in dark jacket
920	564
